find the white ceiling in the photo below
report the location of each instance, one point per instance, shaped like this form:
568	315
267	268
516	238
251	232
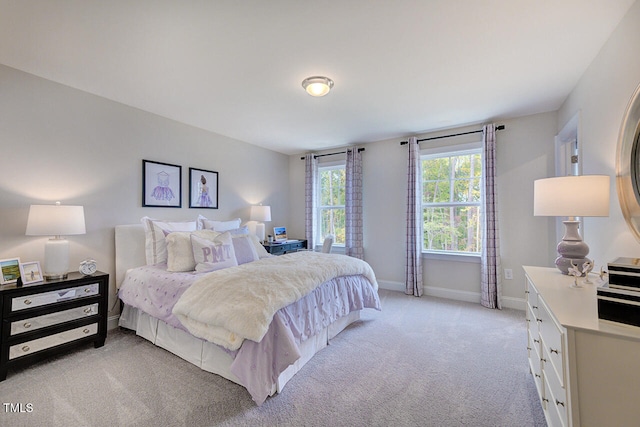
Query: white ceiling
235	67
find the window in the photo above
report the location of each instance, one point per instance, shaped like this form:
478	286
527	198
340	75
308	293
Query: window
331	200
452	201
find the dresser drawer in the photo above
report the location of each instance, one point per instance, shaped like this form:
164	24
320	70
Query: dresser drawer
533	320
30	347
532	296
38	322
277	249
535	363
295	246
52	297
552	337
555	393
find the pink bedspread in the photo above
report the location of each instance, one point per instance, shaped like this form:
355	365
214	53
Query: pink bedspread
257	364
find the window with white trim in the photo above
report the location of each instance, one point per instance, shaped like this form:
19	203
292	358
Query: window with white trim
452	201
331	203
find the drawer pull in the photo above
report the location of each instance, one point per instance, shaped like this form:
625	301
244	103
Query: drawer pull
86	330
539	320
25	348
553	350
543	360
87	290
534	306
26	325
87	310
545	400
529	348
27	302
536	341
559	403
528	320
537	376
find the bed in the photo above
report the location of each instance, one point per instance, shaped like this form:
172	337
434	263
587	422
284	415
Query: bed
168	307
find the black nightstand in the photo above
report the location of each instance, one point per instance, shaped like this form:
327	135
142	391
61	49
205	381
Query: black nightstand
283	248
47	318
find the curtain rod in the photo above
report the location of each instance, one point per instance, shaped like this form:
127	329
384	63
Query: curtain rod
499	127
315	156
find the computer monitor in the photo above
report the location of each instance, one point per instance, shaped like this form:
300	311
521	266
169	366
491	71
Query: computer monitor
280	234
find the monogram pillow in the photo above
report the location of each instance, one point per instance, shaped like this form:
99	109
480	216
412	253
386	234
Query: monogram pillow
216	254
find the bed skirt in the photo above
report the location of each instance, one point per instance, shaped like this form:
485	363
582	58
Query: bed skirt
213	358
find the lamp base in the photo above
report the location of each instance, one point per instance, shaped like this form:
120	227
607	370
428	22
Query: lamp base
260	231
56	259
55	276
572	249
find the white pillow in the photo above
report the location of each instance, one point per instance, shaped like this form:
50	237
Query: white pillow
155	232
221	226
179	249
260	250
213	255
244	249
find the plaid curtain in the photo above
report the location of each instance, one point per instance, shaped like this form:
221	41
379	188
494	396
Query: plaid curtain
310	191
491	280
353	205
413	254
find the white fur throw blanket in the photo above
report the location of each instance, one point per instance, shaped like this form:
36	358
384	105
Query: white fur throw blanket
237	303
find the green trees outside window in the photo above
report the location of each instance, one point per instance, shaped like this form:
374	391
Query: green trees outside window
331	203
451	201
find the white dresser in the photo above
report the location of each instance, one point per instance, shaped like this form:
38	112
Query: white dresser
587	371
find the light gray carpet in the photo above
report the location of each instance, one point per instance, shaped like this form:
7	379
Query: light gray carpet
420	362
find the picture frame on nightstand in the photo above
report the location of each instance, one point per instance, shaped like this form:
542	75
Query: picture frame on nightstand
30	272
10	269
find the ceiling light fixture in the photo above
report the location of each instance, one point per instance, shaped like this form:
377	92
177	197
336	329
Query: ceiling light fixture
317	85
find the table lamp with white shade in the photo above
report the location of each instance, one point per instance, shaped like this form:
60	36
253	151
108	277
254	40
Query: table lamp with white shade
260	213
57	221
572	196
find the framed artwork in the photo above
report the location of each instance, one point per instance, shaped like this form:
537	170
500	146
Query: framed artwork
161	185
203	189
30	272
10	270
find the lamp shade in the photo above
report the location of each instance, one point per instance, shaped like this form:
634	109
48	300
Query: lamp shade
55	220
260	213
571	196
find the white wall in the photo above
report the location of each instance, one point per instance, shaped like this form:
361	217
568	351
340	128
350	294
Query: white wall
601	98
525	153
62	144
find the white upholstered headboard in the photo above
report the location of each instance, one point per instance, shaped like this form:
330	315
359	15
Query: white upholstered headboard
130	249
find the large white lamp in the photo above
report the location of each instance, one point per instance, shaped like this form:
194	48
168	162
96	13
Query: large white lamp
57	221
571	196
260	213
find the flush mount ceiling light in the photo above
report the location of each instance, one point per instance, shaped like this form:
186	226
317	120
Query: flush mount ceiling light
317	85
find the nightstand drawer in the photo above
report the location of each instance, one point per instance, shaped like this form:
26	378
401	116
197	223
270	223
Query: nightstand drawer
33	346
52	297
38	322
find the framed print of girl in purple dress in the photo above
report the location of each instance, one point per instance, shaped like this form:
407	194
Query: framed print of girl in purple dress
161	185
203	189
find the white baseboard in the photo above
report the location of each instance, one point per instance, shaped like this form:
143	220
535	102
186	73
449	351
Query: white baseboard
112	322
467	296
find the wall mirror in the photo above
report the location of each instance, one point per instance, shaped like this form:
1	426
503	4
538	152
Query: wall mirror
628	164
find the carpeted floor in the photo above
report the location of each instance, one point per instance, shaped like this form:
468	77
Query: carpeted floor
420	362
